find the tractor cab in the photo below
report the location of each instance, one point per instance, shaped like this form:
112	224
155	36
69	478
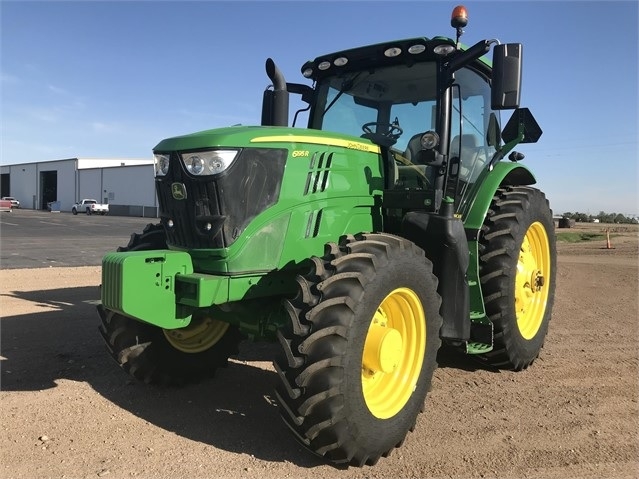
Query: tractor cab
431	106
432	109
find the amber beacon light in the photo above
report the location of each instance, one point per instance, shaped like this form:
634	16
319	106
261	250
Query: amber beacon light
458	20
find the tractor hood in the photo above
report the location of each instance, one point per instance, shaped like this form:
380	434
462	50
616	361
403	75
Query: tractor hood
262	136
233	135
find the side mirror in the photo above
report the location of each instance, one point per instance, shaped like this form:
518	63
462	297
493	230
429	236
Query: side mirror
506	80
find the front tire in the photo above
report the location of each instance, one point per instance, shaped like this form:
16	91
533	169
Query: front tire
152	237
74	211
166	357
169	357
517	269
361	350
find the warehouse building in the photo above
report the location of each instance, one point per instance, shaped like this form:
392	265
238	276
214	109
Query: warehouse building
126	184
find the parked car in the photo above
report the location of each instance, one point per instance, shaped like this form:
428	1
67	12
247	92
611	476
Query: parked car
89	206
6	205
14	203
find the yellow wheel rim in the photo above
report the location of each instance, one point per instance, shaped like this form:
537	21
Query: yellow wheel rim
393	353
198	336
531	281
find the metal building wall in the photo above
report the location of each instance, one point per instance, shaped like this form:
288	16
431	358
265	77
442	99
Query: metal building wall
66	181
26	187
23	185
129	189
90	184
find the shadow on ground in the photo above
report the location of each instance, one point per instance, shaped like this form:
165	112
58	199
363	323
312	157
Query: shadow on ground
449	357
235	411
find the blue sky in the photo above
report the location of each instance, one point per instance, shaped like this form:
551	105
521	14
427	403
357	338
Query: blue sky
111	79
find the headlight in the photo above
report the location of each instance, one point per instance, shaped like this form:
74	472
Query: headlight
202	163
161	164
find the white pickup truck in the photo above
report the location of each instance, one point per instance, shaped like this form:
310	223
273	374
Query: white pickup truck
89	206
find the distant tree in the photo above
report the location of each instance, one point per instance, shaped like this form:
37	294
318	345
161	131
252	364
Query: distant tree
581	217
618	218
603	217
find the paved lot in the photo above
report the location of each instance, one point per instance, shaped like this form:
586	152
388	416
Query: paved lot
67	410
38	239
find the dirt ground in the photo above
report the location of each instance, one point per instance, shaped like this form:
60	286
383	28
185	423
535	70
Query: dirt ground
67	411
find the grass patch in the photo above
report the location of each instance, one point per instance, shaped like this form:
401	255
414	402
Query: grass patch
579	237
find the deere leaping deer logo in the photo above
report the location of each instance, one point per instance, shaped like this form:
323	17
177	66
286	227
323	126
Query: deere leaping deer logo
178	190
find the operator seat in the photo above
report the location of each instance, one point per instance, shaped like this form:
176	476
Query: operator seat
413	147
416	175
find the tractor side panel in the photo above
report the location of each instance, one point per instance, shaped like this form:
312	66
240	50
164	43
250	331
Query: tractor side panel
327	191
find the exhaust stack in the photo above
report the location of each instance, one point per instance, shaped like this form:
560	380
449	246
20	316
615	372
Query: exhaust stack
275	102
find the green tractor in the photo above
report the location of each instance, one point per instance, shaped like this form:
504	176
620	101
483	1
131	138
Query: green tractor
387	227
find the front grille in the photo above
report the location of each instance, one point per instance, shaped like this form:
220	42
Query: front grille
217	209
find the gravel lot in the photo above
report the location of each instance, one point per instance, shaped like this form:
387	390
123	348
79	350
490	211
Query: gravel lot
68	411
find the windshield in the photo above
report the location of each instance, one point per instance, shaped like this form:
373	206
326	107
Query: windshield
407	93
405	96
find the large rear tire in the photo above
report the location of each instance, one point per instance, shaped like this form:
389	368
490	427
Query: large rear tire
361	349
166	357
517	269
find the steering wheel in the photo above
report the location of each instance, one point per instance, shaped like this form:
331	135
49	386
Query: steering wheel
389	131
